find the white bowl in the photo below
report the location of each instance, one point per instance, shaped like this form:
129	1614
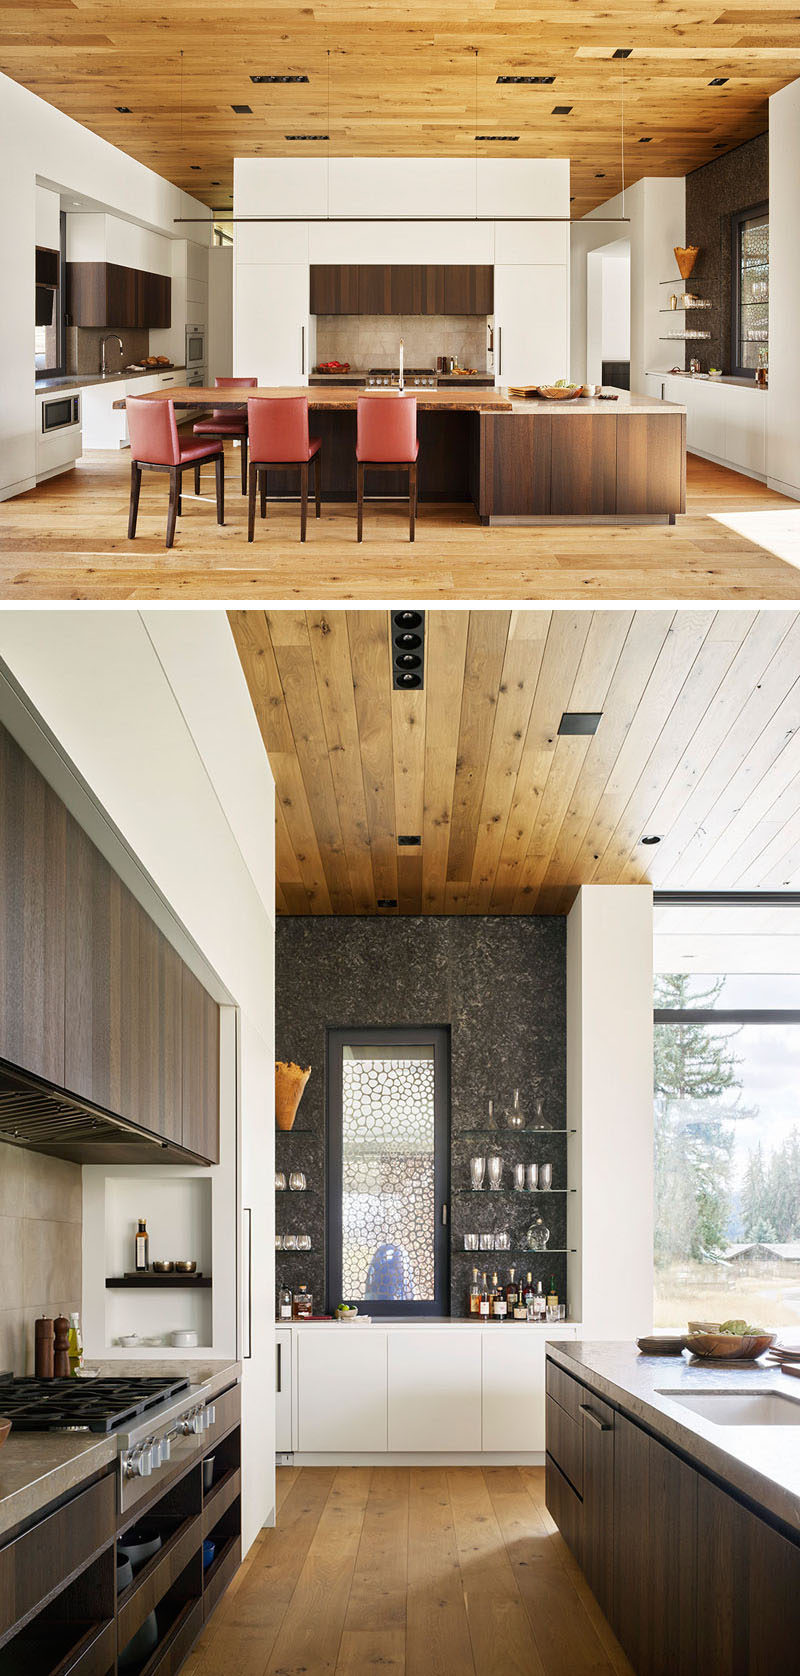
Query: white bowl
183	1340
129	1340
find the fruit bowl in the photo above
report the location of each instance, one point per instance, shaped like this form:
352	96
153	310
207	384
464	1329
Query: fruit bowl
745	1347
560	392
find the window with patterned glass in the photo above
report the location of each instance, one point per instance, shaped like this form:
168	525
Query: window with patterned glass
388	1157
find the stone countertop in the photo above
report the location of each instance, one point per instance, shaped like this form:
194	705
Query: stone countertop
343	397
760	1462
397	1323
703	378
36	1468
625	405
82	380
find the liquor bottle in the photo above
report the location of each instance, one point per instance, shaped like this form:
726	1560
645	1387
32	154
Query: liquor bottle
302	1304
284	1304
500	1308
516	1308
539	1303
75	1343
512	1293
475	1295
527	1290
552	1296
486	1302
142	1261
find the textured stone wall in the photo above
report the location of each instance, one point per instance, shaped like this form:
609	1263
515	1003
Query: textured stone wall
499	984
714	193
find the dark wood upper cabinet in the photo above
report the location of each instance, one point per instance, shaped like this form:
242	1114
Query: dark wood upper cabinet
401	288
107	294
33	830
200	1069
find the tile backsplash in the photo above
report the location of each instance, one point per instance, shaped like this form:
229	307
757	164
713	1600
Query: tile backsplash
40	1248
373	340
83	347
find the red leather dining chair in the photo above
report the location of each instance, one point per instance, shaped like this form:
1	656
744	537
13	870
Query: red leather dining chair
156	446
386	439
229	421
278	427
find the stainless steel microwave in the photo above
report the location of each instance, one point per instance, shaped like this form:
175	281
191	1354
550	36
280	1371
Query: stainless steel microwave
59	412
195	346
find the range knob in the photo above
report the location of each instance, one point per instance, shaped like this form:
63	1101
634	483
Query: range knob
139	1463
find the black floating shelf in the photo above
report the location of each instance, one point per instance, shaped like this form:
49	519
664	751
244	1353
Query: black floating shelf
127	1282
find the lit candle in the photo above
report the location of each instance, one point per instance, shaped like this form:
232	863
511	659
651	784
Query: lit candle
401	363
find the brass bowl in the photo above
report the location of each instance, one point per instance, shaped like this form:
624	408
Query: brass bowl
5	1427
164	1265
725	1346
184	1266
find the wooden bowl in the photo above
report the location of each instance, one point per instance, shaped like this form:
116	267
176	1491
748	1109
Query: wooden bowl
5	1427
724	1346
553	393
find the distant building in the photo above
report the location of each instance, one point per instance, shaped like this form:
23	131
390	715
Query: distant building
765	1251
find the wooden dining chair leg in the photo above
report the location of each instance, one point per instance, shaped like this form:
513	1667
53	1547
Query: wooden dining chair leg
251	504
243	448
197	479
303	500
318	481
412	500
136	484
174	500
360	502
263	491
219	468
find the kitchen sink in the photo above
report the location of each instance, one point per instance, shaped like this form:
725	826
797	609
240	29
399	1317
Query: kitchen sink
739	1408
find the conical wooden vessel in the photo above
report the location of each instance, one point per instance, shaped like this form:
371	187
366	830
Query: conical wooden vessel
686	258
290	1080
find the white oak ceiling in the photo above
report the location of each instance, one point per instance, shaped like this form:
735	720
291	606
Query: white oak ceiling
403	79
699	743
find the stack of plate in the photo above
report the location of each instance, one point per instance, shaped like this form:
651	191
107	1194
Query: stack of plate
785	1356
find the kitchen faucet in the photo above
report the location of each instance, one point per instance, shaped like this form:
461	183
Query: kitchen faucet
103	343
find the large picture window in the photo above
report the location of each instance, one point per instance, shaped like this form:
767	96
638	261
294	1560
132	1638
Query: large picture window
727	1148
388	1168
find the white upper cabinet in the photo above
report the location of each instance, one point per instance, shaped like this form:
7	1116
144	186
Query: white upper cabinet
271	241
402	241
527	187
271	323
286	186
435	1390
341	1376
531	242
402	186
531	313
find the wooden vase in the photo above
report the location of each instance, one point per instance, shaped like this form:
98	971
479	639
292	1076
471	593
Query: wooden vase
686	258
290	1080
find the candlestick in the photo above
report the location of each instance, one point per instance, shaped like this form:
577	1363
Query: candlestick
402	384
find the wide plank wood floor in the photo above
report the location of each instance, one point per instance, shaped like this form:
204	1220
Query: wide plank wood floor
411	1571
67	540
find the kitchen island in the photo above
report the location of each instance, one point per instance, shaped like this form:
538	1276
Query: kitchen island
588	460
687	1527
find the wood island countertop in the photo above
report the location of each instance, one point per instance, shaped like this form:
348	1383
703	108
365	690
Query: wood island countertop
343	397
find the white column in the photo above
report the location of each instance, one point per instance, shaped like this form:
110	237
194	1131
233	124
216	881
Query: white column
610	1107
783	410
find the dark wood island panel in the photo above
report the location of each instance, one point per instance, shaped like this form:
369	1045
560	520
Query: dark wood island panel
582	465
651	462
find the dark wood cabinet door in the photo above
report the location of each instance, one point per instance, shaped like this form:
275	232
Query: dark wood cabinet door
334	288
748	1590
598	1497
32	916
154	300
584	464
469	289
123	296
651	463
633	1580
565	1506
672	1545
516	464
200	1070
374	288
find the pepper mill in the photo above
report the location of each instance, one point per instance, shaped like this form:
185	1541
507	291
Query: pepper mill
45	1348
61	1353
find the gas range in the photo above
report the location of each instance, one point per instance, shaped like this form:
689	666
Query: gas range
415	378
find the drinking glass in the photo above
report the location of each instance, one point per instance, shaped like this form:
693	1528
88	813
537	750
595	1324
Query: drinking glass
545	1177
515	1116
304	1242
279	1242
486	1242
519	1177
477	1167
532	1177
280	1182
494	1170
502	1242
290	1242
470	1242
297	1181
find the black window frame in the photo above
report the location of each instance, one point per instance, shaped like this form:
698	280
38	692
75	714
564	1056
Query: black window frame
738	220
437	1036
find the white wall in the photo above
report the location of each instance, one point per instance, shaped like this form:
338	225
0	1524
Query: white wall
153	710
48	218
38	141
610	1105
616	326
783	418
656	211
219	344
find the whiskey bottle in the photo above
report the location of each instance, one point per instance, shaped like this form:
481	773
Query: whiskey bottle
512	1293
500	1307
485	1308
552	1296
527	1291
539	1303
475	1295
285	1304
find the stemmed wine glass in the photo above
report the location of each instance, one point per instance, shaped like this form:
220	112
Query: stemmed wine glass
494	1170
477	1167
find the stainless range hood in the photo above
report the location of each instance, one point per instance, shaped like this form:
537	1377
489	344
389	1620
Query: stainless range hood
36	1115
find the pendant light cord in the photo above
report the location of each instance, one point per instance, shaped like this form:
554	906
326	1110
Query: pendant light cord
329	134
622	130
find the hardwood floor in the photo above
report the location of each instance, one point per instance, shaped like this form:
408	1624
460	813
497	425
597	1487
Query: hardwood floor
67	540
413	1571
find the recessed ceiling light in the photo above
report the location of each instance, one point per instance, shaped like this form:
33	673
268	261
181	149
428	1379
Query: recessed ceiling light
719	81
297	137
719	145
526	81
216	183
601	176
259	79
242	110
652	838
580	721
622	52
645	139
124	110
496	139
194	165
561	110
387	901
408	840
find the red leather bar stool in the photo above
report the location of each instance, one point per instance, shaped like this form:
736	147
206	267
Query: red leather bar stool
279	438
386	439
229	421
156	446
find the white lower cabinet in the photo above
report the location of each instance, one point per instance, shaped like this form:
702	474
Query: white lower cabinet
283	1390
435	1390
341	1396
513	1389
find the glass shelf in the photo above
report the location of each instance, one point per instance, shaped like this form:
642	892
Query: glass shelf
686	308
481	1258
497	1192
295	1130
512	1134
684	337
297	1193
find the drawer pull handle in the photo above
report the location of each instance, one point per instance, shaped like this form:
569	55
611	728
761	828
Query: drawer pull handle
602	1425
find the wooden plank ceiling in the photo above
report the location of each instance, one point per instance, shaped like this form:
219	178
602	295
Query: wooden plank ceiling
699	744
404	82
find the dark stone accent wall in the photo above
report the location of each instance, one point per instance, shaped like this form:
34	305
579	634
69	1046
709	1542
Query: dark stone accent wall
713	194
499	983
